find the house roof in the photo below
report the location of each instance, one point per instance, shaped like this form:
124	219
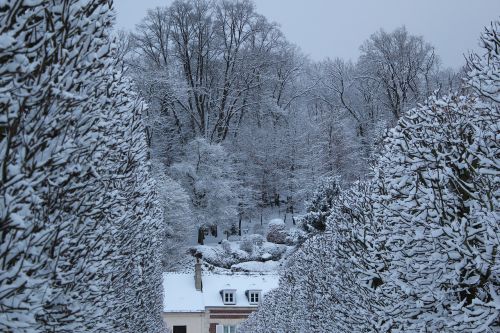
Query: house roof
180	294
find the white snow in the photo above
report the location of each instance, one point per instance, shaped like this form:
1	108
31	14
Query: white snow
257	266
276	222
229	254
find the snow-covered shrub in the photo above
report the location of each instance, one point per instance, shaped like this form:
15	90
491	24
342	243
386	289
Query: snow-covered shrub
274	314
276	251
438	193
215	255
230	253
322	284
226	246
276	232
257	239
247	244
266	256
295	305
256	266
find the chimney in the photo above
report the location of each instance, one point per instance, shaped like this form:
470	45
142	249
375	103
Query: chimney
197	275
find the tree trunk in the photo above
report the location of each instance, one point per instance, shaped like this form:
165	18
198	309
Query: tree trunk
201	235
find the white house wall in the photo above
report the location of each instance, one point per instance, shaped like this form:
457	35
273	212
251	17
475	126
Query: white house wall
195	321
226	316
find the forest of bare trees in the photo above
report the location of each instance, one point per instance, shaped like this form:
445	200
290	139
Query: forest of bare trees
242	120
121	149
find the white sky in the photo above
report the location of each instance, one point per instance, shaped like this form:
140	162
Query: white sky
336	28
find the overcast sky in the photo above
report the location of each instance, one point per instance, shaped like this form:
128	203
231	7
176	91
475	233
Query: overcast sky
336	28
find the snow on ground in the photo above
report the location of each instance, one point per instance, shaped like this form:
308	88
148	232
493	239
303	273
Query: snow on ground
257	266
276	222
252	225
249	252
230	253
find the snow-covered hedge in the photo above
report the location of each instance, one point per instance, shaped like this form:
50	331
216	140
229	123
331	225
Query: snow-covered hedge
415	249
80	229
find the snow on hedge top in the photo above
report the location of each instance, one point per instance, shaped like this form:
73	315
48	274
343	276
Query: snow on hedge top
180	294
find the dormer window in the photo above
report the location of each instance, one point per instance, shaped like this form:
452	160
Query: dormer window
253	296
228	296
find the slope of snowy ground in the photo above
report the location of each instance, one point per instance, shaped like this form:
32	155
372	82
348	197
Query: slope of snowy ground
257	266
256	252
258	224
264	256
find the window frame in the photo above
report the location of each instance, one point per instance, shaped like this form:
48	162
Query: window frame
253	295
229	296
229	328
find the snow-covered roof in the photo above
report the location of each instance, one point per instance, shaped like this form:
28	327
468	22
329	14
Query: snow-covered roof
180	294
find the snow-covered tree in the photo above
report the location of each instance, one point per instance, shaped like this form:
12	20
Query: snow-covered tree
80	231
401	64
319	207
484	70
276	231
208	176
177	218
218	70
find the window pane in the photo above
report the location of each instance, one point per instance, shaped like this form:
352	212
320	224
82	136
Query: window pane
254	297
228	297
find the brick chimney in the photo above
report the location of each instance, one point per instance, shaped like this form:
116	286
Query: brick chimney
197	275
